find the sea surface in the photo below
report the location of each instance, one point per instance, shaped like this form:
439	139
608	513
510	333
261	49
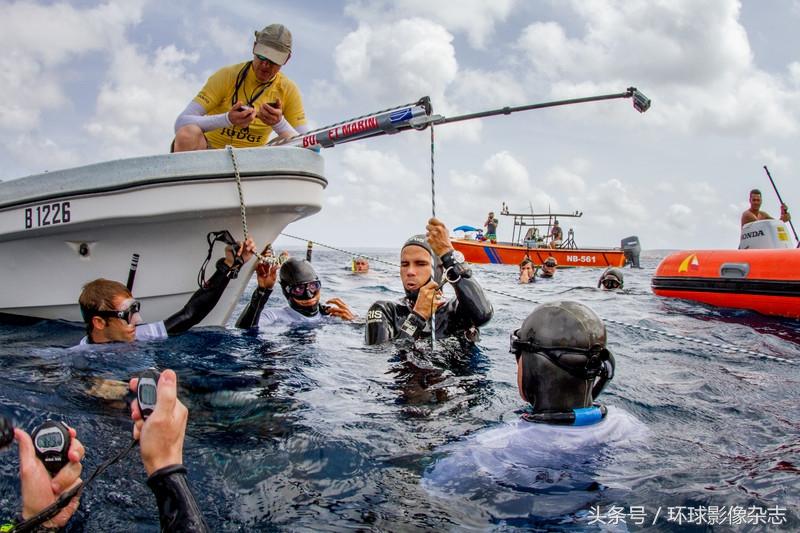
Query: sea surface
308	429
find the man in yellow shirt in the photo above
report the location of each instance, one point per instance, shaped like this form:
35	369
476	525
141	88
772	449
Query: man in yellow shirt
242	104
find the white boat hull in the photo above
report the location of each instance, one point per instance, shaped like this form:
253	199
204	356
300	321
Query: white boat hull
162	219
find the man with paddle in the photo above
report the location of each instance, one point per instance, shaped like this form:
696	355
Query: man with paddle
754	213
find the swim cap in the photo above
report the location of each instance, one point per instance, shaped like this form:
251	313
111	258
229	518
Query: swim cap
608	277
294	272
421	241
563	346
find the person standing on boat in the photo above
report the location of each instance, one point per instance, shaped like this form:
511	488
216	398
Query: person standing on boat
111	313
491	227
424	259
754	213
556	235
527	272
303	290
240	105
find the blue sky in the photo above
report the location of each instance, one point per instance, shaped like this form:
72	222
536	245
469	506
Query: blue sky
83	82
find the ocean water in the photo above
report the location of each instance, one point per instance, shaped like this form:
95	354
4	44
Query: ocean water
308	429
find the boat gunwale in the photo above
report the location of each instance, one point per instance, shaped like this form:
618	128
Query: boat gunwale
150	182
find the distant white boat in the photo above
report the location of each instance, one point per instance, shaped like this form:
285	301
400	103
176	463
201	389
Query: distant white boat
59	230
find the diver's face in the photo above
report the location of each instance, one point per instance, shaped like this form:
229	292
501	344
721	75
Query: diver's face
310	302
416	267
306	294
526	268
113	329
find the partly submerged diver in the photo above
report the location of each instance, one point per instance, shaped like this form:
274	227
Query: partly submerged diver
612	278
527	271
563	365
549	267
111	313
302	288
424	260
359	265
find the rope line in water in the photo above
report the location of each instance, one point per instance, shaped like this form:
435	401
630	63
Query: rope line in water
433	214
721	346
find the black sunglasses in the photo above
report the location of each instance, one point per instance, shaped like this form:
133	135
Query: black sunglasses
125	315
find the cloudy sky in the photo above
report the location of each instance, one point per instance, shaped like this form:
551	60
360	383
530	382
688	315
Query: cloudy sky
88	81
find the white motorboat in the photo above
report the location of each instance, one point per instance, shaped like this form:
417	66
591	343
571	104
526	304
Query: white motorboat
59	230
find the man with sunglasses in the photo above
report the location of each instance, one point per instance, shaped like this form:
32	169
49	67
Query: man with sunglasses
111	313
303	290
562	364
424	260
241	104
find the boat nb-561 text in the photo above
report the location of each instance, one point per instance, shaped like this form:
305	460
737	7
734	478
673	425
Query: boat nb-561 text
47	215
581	259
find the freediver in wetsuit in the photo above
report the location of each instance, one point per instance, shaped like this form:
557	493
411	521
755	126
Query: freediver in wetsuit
302	288
111	313
563	365
424	260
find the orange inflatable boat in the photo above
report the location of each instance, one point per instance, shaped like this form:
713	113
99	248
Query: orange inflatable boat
767	281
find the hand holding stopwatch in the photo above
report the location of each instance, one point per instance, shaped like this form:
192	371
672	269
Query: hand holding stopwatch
146	392
51	441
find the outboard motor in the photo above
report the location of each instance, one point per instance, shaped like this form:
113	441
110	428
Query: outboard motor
765	234
632	249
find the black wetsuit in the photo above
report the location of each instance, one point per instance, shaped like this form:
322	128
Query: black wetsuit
202	301
460	316
177	508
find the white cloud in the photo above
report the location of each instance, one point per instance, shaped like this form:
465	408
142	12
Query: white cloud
702	192
694	57
398	62
138	103
773	159
613	197
38	40
476	18
565	180
324	95
678	216
42	153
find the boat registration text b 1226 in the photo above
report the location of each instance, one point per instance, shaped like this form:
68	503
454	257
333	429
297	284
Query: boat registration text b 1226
47	215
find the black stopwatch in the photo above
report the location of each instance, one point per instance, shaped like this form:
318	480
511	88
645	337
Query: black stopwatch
6	432
51	441
146	392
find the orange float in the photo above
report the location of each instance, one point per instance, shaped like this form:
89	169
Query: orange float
766	281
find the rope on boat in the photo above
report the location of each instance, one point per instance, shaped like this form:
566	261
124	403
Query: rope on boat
675	336
243	209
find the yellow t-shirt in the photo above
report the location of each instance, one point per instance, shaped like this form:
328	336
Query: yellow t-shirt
215	97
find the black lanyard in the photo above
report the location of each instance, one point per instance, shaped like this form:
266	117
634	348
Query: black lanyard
240	85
